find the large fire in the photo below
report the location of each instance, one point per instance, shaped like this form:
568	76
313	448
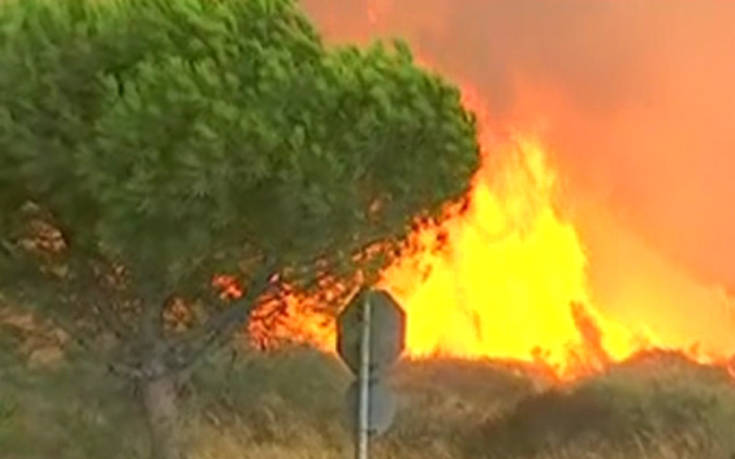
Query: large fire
510	282
502	276
507	275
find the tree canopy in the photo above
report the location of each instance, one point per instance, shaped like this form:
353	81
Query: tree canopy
148	144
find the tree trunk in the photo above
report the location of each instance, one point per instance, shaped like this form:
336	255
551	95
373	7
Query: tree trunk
160	402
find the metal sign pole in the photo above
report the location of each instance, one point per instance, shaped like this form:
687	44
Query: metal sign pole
363	411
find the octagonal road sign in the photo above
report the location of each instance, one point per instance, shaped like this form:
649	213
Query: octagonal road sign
382	406
387	331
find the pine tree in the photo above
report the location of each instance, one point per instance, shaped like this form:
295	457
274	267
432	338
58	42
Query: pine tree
146	145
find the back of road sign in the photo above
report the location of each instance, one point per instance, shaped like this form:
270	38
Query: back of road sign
387	331
381	406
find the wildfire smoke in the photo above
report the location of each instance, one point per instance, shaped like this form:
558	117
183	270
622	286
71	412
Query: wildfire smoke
556	257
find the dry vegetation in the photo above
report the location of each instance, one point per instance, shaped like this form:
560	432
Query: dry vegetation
289	404
653	407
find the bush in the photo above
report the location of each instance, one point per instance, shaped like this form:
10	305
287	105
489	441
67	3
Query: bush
636	405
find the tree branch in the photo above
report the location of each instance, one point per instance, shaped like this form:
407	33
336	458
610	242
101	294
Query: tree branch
190	349
8	248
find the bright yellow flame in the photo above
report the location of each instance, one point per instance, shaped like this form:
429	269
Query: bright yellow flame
504	285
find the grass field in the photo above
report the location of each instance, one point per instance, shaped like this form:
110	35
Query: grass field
289	404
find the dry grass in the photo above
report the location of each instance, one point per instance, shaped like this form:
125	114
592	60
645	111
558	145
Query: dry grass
289	405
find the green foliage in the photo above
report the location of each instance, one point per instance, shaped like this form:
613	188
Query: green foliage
174	136
146	145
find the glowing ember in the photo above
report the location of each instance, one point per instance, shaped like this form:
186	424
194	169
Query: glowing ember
228	286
